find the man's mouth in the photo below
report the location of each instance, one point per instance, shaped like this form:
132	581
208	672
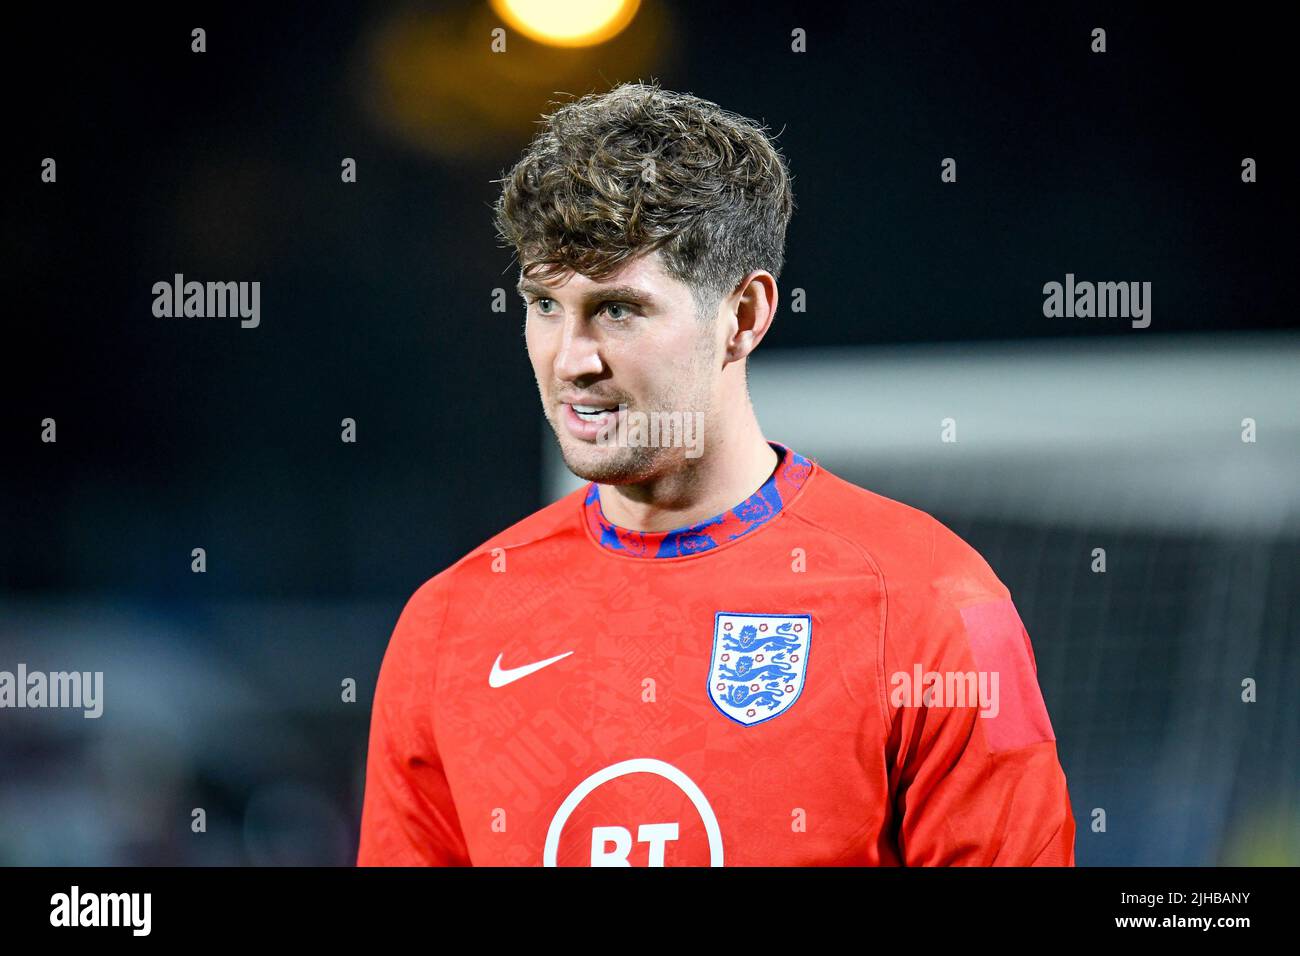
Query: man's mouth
589	422
592	413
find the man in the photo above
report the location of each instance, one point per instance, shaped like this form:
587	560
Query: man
717	652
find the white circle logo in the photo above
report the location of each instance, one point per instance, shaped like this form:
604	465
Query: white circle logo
622	769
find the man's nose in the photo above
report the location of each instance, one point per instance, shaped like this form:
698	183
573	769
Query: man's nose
579	353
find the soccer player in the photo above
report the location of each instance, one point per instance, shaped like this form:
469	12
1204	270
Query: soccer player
717	652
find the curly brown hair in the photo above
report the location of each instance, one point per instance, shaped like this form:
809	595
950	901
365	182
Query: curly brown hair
613	175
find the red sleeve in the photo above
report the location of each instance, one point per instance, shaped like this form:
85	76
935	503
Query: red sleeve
975	774
408	818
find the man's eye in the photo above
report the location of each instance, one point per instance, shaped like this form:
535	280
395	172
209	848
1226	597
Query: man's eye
544	305
617	311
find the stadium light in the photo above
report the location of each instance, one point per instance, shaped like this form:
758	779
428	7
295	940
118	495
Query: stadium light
572	23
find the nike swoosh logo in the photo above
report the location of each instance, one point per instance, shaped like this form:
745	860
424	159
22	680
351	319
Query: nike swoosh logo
500	677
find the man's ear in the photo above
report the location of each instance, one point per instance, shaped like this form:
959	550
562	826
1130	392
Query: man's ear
753	306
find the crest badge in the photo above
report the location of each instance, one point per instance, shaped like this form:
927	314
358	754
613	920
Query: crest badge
758	663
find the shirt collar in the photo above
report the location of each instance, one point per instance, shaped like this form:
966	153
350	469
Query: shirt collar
792	470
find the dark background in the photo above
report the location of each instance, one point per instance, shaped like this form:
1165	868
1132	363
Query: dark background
223	687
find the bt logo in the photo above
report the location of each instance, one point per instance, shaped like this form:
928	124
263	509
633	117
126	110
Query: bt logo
610	845
656	834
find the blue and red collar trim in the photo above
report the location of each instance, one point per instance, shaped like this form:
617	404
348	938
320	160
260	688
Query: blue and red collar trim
792	470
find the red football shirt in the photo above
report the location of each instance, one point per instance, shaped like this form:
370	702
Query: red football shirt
820	676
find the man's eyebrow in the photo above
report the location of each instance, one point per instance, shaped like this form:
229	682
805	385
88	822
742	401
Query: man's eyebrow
619	293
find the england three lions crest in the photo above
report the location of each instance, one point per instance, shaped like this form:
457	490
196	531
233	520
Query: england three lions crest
758	664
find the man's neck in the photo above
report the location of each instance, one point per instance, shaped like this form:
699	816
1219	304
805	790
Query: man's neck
728	473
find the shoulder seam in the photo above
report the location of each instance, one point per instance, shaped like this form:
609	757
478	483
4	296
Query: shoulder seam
433	709
437	655
884	617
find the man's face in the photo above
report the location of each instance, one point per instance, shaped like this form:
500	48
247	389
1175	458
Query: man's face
634	338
